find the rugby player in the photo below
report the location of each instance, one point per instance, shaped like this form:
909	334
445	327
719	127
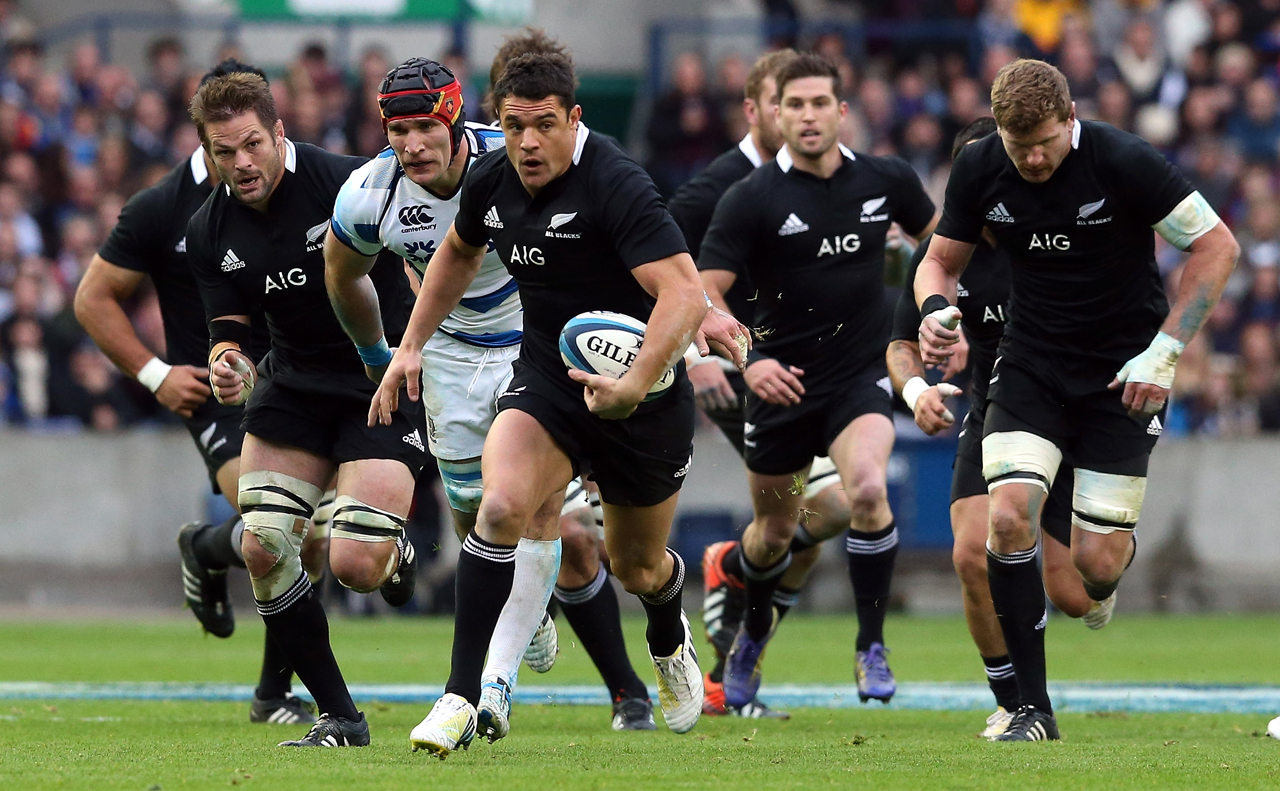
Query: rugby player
580	227
404	200
983	301
810	231
150	239
1089	352
257	244
720	390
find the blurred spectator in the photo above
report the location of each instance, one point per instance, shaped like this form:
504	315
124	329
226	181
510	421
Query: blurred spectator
27	237
23	67
149	133
166	71
1043	20
686	130
1187	25
1139	62
363	125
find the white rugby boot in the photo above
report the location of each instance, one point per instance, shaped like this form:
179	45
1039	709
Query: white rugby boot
680	684
450	725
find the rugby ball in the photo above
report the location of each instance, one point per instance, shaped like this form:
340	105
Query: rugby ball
606	343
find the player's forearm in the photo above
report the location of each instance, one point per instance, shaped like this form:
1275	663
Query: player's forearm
444	284
672	325
351	292
108	325
716	282
1204	276
934	278
903	359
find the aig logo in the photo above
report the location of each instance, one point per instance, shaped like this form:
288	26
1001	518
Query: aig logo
527	255
282	280
1044	241
849	243
415	215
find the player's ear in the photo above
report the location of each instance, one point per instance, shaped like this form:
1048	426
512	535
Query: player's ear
575	115
1071	117
751	110
844	109
277	131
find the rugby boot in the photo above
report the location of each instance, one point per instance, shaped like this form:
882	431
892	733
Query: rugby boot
331	731
204	589
724	597
493	715
1100	613
288	710
875	679
398	589
1030	725
450	724
633	714
742	668
997	723
680	684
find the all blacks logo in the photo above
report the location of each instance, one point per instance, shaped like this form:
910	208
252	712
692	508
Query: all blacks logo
415	218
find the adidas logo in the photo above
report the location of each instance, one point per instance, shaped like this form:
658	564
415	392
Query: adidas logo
999	214
1155	428
1044	621
181	246
683	471
414	440
231	262
793	225
491	218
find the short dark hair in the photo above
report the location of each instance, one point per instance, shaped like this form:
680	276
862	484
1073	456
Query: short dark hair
766	66
231	66
537	75
528	41
1026	93
808	64
976	130
233	94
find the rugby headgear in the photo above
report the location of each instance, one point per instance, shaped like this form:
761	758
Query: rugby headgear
422	88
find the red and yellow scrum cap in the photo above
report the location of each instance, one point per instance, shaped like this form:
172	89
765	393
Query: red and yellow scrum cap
422	88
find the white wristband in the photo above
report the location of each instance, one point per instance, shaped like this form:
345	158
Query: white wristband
152	375
912	390
693	358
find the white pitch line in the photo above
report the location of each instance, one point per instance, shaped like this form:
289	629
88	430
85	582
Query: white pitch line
911	695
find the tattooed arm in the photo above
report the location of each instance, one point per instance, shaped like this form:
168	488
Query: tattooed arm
906	373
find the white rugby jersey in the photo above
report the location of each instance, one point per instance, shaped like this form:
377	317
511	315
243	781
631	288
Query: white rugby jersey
379	207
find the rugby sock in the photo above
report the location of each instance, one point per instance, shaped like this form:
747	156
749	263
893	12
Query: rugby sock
665	633
784	599
592	611
213	545
485	575
871	559
761	584
277	674
1018	595
1100	592
301	631
802	540
536	565
1003	683
732	563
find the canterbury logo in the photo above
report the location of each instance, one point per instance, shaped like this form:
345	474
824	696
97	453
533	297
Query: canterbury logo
231	262
415	215
413	439
999	214
792	225
561	219
491	218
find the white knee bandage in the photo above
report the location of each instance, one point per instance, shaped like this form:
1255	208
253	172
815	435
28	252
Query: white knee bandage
1104	503
277	510
359	521
463	485
1019	457
323	517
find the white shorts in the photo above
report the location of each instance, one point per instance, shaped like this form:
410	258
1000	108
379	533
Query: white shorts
460	387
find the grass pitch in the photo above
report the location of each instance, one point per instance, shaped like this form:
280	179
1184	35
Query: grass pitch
180	745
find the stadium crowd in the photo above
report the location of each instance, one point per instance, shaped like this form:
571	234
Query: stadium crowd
1197	78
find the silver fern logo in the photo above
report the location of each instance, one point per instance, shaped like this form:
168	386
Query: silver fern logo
1090	209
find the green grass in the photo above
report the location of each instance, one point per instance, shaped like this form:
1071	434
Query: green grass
808	649
196	745
209	745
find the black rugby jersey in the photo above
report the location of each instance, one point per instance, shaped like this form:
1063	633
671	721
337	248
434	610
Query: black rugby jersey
695	202
151	237
983	299
1084	279
246	260
814	249
571	248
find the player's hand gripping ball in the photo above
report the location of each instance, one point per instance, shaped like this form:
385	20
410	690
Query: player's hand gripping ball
606	344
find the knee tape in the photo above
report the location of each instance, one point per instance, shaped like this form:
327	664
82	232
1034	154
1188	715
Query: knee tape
277	509
322	520
358	521
1019	457
462	484
1104	503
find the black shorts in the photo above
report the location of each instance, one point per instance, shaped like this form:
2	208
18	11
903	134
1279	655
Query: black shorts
781	440
216	430
1073	408
637	462
334	425
730	421
967	480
